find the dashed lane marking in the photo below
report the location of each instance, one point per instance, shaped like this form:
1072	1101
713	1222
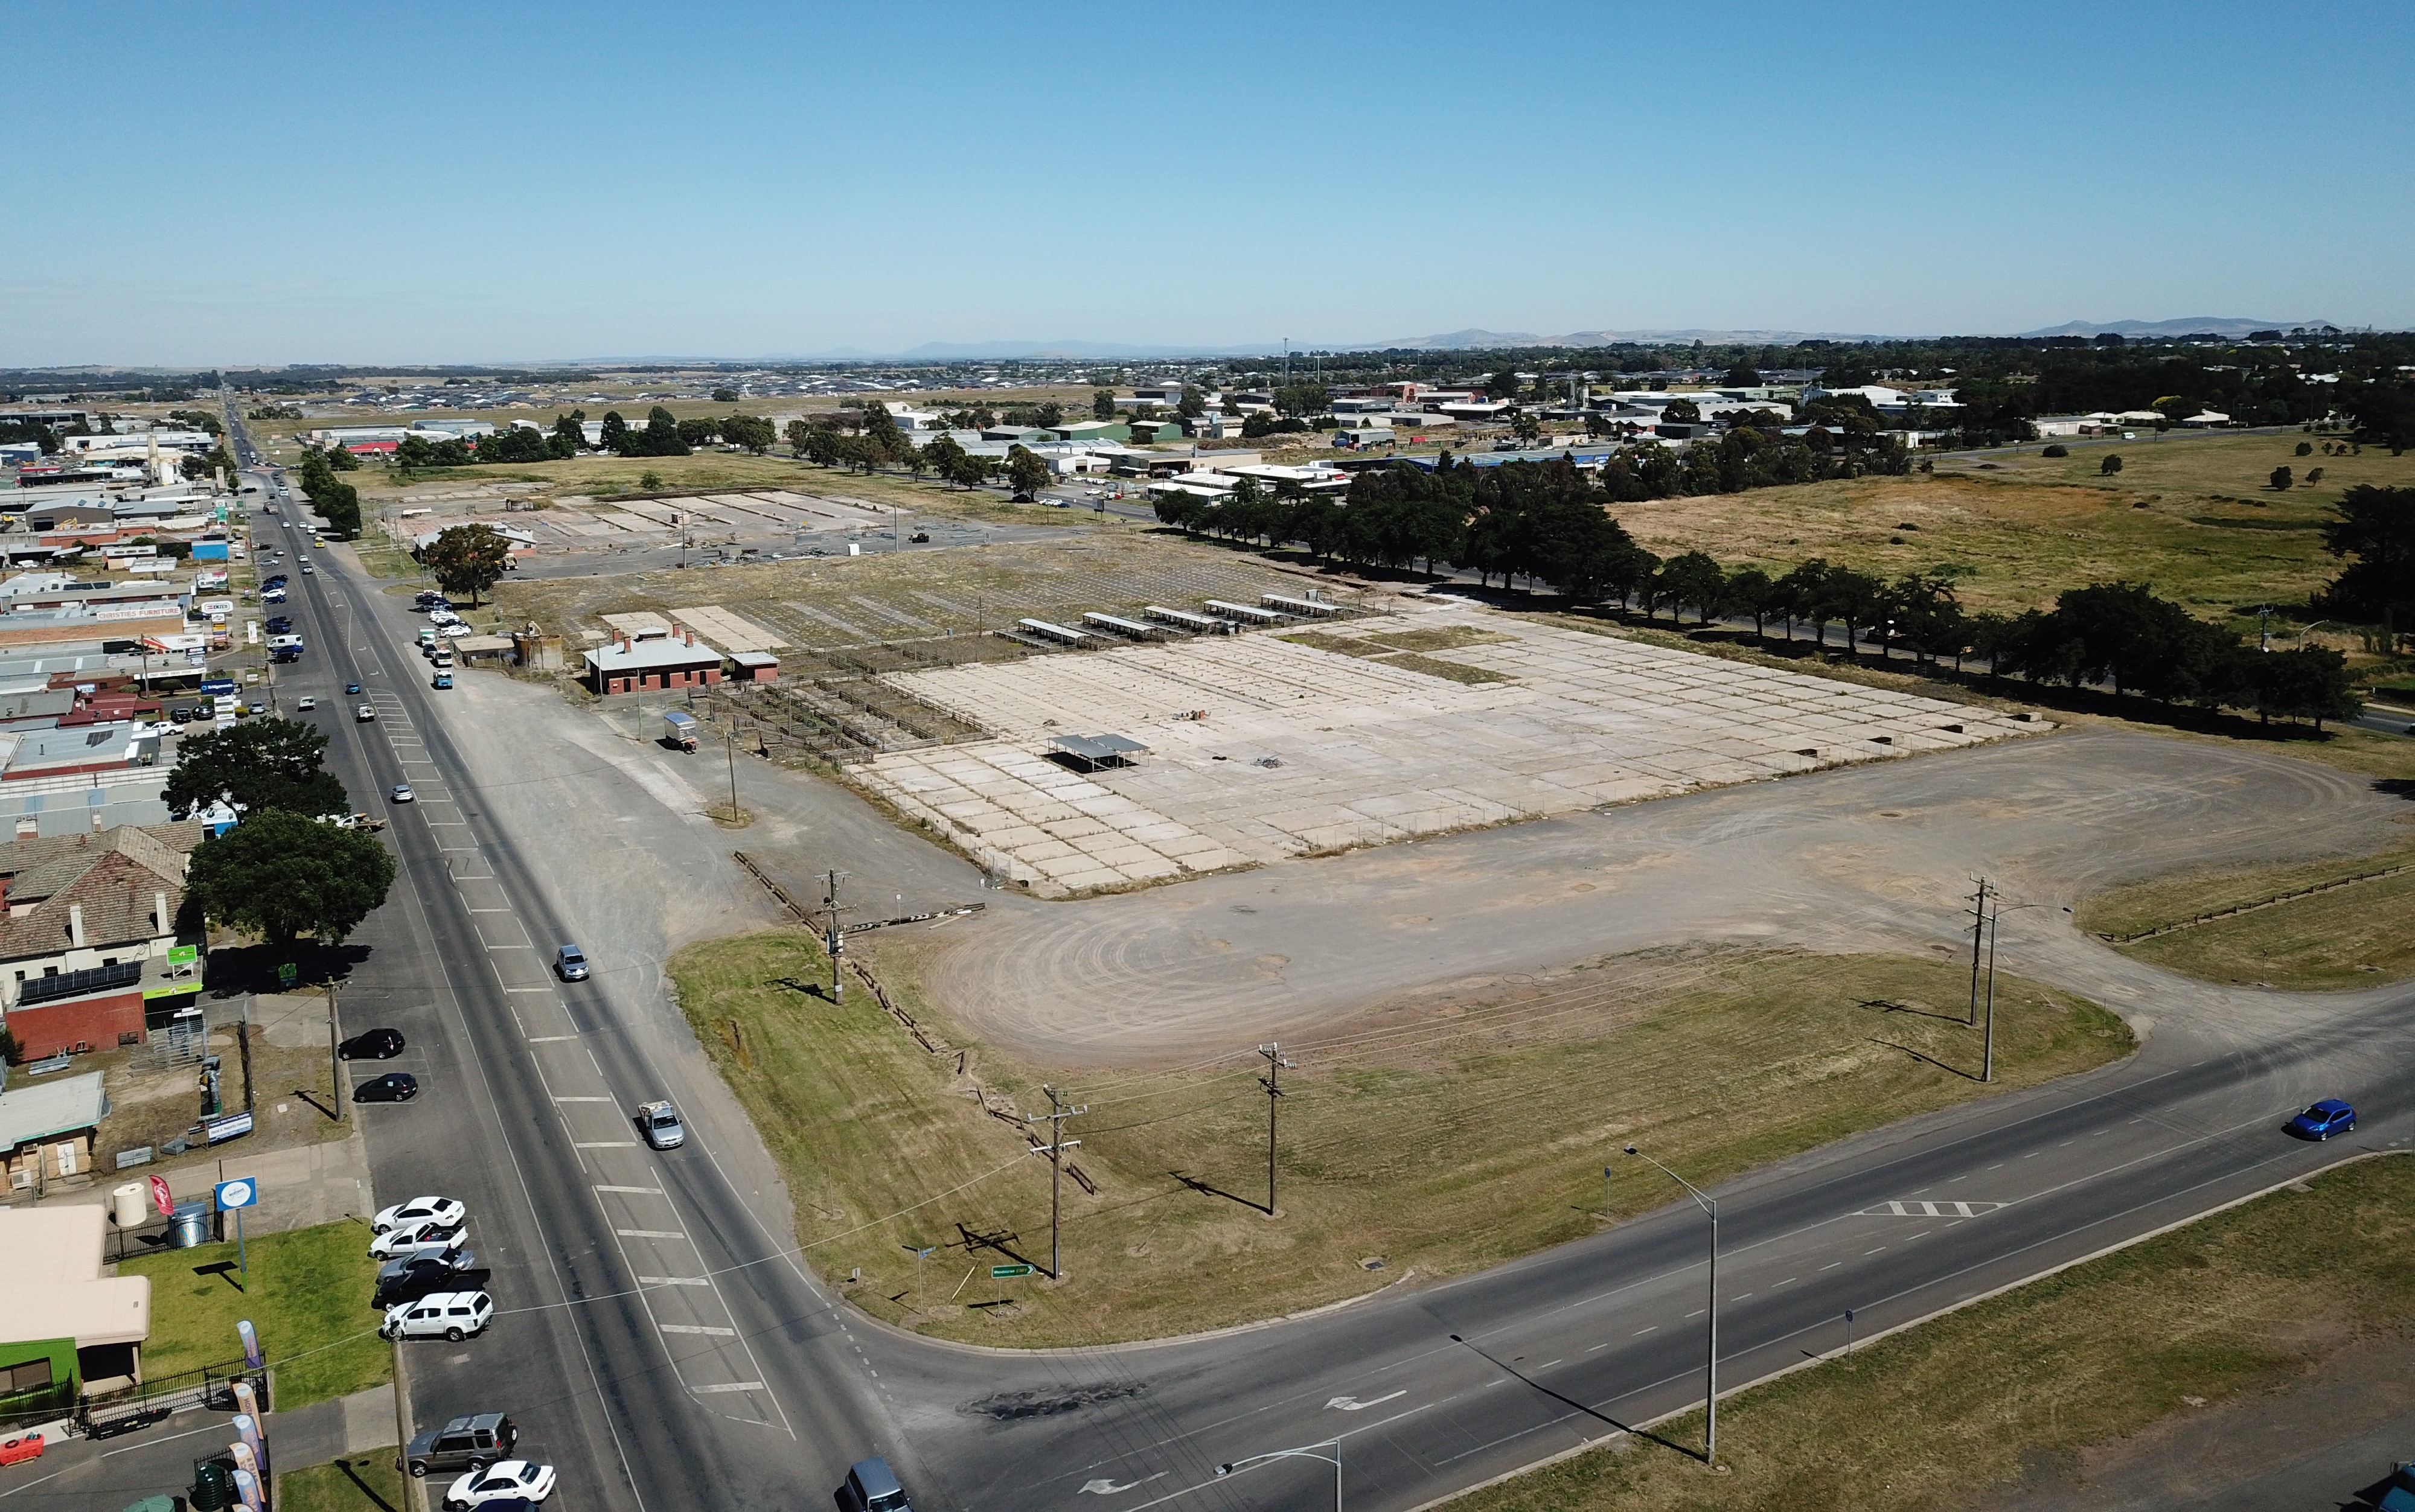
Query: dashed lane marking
607	1144
562	1099
732	1385
650	1234
642	1191
696	1329
673	1280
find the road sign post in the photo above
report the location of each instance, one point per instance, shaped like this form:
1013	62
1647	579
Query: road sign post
1001	1273
238	1195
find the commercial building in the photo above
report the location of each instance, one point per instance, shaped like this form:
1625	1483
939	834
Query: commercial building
91	955
68	1330
633	665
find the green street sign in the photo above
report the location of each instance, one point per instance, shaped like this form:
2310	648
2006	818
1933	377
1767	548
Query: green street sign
183	956
287	974
999	1273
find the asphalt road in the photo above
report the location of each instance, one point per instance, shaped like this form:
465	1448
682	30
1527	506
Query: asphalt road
1549	1353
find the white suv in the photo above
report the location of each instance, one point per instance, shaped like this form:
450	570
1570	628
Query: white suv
454	1315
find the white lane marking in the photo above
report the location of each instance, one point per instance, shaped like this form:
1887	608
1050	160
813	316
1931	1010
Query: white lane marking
643	1191
1696	1313
1739	1296
528	989
650	1234
732	1385
1640	1332
1930	1210
673	1280
608	1145
1108	1488
696	1329
1832	1265
1352	1404
1873	1251
548	1038
561	1098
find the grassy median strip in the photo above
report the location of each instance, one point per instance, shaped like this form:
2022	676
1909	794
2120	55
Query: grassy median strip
364	1482
2219	1314
308	1297
2345	921
1433	1139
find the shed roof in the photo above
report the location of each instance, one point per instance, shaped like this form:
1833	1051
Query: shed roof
38	1109
648	656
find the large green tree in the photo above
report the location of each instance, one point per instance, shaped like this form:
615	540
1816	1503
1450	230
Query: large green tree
280	875
1025	470
751	431
2375	525
468	558
261	764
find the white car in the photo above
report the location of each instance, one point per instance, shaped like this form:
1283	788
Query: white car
443	1209
522	1478
661	1122
402	793
454	1315
395	1243
306	706
364	714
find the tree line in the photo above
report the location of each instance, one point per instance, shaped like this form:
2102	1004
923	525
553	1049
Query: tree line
337	501
279	873
1548	522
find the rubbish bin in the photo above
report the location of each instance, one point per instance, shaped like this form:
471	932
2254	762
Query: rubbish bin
213	1485
131	1205
191	1226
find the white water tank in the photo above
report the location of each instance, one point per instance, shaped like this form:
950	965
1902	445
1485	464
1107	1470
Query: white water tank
129	1204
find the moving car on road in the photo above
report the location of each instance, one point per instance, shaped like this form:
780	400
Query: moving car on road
454	1315
445	1210
441	680
871	1486
661	1122
512	1478
364	714
394	1086
570	963
352	690
402	793
470	1444
2325	1118
306	706
373	1044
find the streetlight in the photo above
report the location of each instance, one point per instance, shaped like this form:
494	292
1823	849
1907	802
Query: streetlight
2302	635
1711	1362
1305	1452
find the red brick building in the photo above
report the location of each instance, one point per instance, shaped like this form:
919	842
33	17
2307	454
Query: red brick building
89	944
667	662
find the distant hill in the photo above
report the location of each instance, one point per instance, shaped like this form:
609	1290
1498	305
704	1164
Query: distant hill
1469	340
2222	325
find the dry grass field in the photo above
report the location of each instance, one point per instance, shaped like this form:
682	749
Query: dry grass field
1437	1140
2340	923
2219	1324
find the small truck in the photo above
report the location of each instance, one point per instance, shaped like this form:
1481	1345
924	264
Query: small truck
661	1123
678	730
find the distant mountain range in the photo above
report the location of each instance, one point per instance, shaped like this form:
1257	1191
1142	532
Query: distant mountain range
2225	325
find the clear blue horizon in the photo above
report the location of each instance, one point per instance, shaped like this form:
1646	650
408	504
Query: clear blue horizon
241	185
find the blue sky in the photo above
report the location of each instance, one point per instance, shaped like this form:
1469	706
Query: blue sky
353	183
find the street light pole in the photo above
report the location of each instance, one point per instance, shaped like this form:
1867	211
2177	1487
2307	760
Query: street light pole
1710	1363
1304	1452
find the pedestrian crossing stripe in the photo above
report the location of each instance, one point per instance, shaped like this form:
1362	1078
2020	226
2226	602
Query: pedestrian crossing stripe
1928	1209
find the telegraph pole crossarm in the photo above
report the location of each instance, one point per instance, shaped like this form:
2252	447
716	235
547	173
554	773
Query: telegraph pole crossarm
834	938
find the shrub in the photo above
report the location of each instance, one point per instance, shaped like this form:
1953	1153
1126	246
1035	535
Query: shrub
2058	449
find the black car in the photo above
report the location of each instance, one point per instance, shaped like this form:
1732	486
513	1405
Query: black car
280	624
394	1086
373	1044
181	716
413	1277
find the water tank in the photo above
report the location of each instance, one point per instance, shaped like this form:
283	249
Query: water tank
192	1226
213	1485
130	1205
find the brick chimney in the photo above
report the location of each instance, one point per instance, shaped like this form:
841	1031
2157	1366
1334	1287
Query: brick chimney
159	911
75	925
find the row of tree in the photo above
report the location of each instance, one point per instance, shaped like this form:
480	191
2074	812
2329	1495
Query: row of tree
1548	523
337	501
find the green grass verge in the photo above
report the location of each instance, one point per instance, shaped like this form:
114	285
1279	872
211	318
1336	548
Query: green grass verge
1444	1143
2332	923
1947	1414
308	1298
364	1482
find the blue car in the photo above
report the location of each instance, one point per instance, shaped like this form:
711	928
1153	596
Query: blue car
2325	1118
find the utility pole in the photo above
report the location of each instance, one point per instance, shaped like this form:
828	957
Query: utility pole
334	1053
1271	1082
1978	932
1987	1067
1055	1149
730	740
833	938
